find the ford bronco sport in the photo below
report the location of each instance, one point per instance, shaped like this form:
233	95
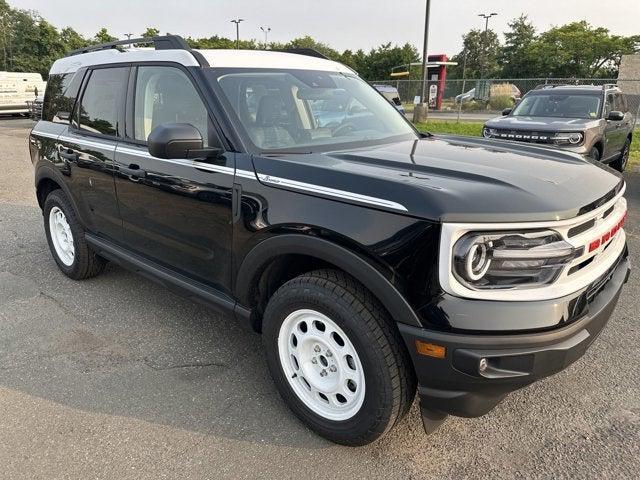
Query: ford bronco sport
586	119
375	260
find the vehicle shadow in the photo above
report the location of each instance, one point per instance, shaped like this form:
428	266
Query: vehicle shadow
122	345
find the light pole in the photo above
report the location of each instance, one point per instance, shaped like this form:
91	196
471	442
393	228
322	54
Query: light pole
237	22
486	17
420	111
266	31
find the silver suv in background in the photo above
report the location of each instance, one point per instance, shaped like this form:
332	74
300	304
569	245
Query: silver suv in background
391	94
586	119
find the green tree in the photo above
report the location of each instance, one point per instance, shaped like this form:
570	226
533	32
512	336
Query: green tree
379	62
150	32
483	53
72	40
580	50
103	36
516	57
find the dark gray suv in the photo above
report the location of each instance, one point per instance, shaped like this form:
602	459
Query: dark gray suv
586	119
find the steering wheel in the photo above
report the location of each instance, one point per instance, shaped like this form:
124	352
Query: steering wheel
343	129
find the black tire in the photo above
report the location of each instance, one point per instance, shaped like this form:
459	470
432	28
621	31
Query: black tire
621	162
594	154
388	372
86	263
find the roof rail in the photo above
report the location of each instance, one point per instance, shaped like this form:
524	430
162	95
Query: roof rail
544	86
309	52
165	42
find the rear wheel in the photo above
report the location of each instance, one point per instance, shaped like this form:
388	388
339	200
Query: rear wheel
66	239
621	163
336	357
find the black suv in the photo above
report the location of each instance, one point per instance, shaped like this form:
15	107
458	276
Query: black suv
373	259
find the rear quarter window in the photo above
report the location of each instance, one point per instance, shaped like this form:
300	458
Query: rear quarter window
60	96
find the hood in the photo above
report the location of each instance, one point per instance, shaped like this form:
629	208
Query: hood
542	123
449	178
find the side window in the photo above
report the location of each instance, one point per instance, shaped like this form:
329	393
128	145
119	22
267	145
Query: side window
608	106
102	100
60	96
166	95
620	103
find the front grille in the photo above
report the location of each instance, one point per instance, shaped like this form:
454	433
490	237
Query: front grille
528	136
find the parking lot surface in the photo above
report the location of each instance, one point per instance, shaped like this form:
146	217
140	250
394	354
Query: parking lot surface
117	378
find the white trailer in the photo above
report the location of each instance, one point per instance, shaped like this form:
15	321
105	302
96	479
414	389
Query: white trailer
17	89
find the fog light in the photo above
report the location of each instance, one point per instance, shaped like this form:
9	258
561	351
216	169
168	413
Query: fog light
484	363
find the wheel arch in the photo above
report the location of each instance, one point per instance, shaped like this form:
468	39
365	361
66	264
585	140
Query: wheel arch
48	180
312	252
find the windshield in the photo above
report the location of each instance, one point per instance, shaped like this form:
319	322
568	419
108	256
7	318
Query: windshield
309	110
563	106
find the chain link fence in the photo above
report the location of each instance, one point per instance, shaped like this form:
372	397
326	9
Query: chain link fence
483	99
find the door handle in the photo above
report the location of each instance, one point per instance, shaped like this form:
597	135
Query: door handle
133	170
69	154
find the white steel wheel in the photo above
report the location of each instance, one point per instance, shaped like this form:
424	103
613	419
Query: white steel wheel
321	365
61	236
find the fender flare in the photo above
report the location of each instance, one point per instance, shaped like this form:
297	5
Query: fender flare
45	172
353	264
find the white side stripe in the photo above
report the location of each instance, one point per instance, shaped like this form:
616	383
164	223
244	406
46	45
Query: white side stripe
332	192
268	179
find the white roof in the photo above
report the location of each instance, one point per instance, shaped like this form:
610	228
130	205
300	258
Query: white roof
268	59
216	59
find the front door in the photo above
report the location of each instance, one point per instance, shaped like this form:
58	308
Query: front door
175	212
613	128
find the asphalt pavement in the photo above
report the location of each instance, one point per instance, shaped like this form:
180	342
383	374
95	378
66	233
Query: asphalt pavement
117	378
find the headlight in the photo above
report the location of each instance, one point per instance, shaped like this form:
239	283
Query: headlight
489	132
572	138
490	260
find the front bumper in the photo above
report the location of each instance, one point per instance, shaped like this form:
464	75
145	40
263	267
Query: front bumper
455	385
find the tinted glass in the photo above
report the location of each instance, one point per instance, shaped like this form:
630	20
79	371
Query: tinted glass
620	103
293	109
60	96
558	105
102	100
166	95
608	105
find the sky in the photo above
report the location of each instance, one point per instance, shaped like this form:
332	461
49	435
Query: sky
342	24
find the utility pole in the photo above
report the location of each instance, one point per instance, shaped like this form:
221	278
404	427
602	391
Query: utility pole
266	31
421	111
237	22
464	81
128	35
486	17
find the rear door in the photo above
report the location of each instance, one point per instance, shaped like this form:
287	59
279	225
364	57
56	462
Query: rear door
88	147
177	212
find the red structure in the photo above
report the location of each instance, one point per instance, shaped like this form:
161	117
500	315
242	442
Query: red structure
436	77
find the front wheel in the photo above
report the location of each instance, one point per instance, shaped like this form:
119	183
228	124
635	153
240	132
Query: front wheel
336	357
621	163
594	153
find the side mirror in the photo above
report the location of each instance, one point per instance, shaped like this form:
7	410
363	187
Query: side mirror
506	111
615	116
178	140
